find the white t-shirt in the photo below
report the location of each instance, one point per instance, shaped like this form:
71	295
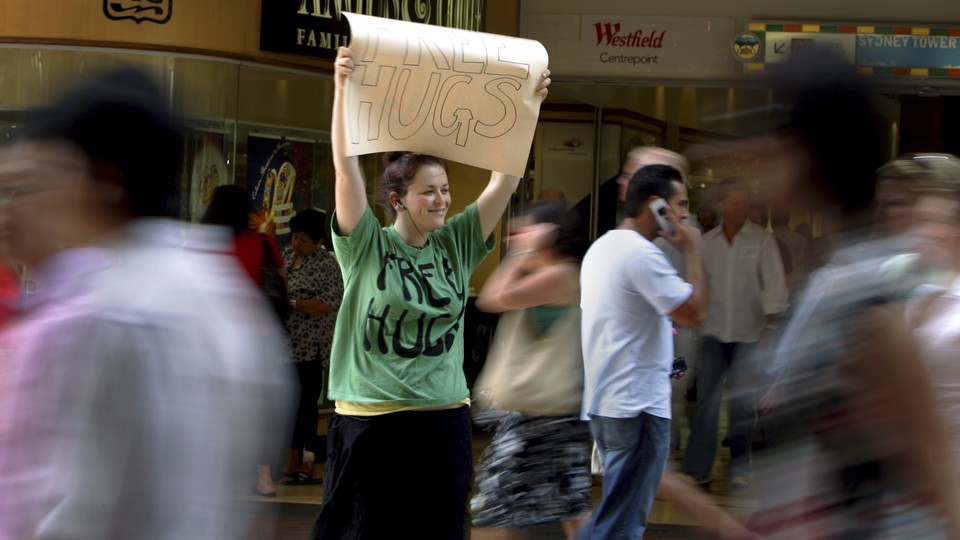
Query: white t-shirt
627	289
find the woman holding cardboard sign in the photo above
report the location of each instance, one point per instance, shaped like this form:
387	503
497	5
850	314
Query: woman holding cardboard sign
396	368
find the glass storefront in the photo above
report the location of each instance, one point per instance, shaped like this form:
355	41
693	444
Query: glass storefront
242	122
587	128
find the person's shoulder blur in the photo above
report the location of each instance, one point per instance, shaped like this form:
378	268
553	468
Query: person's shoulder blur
161	275
858	269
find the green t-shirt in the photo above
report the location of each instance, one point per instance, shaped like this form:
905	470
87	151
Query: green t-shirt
399	333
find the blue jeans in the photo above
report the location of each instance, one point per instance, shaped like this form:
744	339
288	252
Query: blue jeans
634	455
718	362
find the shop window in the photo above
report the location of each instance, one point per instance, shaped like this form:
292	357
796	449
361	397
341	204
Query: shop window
234	115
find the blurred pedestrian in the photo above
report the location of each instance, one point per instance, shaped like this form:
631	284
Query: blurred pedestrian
138	395
934	310
859	447
901	183
536	469
231	207
898	184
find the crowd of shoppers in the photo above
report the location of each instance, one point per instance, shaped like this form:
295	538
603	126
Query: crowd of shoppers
143	378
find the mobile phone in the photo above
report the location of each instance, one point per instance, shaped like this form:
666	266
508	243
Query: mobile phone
679	367
659	209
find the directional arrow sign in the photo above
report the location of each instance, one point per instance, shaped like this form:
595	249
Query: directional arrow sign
780	44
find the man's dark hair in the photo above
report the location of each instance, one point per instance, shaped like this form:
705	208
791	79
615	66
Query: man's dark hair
650	181
119	121
312	222
729	185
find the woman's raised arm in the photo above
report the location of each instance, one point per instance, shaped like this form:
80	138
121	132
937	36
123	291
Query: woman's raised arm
520	283
350	192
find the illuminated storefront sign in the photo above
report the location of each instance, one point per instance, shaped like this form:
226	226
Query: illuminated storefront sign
317	27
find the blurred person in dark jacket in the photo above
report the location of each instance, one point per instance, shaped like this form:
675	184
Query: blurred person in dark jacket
137	380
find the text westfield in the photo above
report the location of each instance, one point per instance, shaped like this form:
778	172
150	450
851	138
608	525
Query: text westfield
609	34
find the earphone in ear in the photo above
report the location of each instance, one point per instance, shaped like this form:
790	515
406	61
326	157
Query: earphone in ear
400	205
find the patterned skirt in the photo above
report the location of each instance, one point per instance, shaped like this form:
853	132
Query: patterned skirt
536	471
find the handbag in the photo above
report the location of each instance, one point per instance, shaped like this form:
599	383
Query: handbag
273	284
533	373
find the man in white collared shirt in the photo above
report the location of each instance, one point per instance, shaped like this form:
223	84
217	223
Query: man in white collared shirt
746	290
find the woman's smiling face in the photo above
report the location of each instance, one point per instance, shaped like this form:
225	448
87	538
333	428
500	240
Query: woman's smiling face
428	198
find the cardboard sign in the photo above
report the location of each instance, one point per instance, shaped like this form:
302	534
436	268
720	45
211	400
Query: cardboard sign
465	96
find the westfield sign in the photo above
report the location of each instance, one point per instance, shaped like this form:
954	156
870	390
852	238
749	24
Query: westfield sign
609	34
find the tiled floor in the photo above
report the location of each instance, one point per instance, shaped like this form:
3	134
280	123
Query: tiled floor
285	521
667	519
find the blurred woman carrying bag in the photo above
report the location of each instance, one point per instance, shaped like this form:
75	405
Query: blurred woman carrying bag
536	469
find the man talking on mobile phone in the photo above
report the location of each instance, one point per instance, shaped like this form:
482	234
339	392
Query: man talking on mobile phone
630	293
